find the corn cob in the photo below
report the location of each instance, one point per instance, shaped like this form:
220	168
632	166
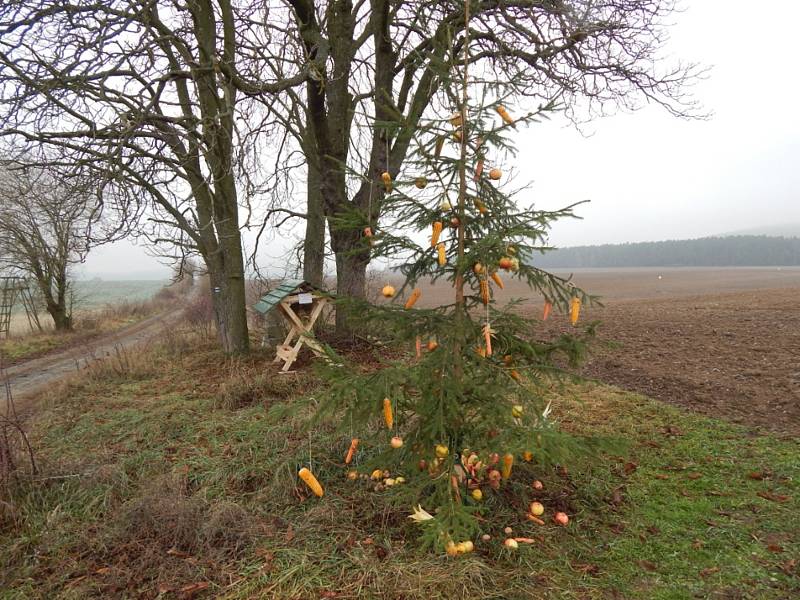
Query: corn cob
412	299
437	230
311	481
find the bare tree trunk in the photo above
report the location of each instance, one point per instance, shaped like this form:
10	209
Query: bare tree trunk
61	317
352	259
314	244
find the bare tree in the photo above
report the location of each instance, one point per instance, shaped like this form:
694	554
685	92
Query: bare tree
380	65
45	228
155	100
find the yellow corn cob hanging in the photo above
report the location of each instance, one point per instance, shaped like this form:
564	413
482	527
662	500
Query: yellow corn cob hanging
412	299
484	291
311	481
351	451
440	249
437	230
508	462
501	110
497	280
574	309
387	181
387	413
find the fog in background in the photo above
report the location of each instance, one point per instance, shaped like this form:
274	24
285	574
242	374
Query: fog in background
648	175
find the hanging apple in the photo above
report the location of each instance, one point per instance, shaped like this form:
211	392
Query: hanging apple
388	291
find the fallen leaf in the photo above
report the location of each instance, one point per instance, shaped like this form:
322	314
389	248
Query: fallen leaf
773	497
697	544
757	475
587	568
188	591
630	467
789	566
672	430
653	530
289	534
694	475
103	570
661	476
709	571
774	548
647	565
175	552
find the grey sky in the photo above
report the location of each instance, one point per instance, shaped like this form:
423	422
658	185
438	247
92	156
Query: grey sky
649	175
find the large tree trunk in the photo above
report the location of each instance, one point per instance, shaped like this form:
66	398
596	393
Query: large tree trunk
314	244
352	259
228	294
61	317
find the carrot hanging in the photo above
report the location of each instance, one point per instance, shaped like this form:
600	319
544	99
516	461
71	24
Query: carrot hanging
351	451
412	299
437	230
497	280
442	258
501	110
418	347
387	413
548	306
508	462
311	481
574	309
487	335
478	169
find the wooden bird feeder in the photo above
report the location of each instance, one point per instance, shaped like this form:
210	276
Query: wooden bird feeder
300	304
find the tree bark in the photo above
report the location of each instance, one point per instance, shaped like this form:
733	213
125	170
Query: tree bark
314	244
228	294
61	318
351	274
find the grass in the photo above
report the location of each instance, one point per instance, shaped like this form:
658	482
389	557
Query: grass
153	485
88	325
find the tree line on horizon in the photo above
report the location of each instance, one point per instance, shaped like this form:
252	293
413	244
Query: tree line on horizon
725	251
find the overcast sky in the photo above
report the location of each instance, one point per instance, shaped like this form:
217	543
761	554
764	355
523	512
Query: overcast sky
650	176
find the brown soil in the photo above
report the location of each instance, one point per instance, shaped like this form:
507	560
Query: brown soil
722	342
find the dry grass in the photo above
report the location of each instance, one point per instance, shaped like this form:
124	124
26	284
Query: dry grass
150	485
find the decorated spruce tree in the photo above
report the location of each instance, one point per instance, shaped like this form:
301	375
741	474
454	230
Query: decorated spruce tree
460	393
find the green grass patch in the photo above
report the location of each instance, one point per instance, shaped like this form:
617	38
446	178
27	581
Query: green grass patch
152	484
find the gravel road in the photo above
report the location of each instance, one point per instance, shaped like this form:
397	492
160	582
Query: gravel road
30	377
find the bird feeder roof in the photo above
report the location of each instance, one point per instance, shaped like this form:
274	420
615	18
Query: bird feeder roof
284	289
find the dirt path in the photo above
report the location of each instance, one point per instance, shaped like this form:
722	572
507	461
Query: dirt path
721	342
30	377
734	356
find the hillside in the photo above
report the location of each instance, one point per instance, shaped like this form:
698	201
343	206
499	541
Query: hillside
727	251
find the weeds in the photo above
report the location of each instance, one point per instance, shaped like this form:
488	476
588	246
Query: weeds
148	485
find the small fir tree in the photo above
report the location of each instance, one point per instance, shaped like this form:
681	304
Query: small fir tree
450	417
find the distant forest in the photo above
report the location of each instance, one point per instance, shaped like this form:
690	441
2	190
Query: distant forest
728	251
